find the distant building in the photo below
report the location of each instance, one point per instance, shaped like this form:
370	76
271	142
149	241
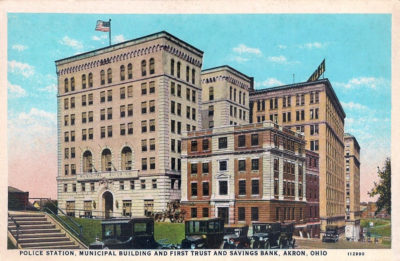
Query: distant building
352	168
17	199
312	194
313	109
369	211
245	173
225	97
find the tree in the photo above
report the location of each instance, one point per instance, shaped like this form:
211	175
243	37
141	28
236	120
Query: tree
383	188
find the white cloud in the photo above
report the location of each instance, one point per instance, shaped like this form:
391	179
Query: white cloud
282	46
75	44
52	88
21	68
99	38
370	82
277	59
240	59
313	45
353	106
243	49
19	47
270	82
15	90
119	38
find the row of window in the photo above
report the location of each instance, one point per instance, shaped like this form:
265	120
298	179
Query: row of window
232	95
176	90
288	188
233	112
286	101
223	166
176	108
176	145
178	71
255	187
176	127
123	75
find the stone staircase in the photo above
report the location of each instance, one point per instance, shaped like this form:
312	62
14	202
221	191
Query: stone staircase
37	230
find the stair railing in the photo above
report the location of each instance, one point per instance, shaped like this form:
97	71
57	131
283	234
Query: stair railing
78	229
17	227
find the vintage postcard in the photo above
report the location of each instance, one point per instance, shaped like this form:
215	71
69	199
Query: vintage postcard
183	129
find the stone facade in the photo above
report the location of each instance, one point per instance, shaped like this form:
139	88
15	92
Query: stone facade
244	173
352	167
313	109
121	113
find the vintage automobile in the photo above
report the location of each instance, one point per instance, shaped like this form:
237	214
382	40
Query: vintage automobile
203	233
235	236
265	235
286	239
331	234
133	233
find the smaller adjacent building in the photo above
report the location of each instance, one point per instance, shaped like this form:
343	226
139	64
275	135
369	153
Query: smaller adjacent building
17	199
312	194
352	170
244	174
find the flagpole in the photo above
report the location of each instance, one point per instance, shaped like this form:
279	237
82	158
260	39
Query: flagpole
109	32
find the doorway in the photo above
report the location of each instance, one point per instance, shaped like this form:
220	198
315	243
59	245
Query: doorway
224	214
108	204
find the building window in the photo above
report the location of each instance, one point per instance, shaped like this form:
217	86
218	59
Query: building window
109	95
193	168
151	66
242	187
206	189
109	75
73	187
126	208
143	87
121	185
188	94
223	187
144	126
173	126
152	88
72	84
122	111
143	67
103	132
152	144
205	167
193	76
193	146
132	184
144	163
172	88
254	139
179	127
211	93
66	153
152	163
205	212
241	214
193	114
148	207
102	96
255	188
66	85
66	120
241	140
83	100
109	131
109	113
188	112
193	212
92	186
187	73
72	102
314	145
222	143
314	129
130	128
91	134
242	165
211	110
122	93
106	160
72	134
130	110
172	66
205	144
102	77
122	130
90	99
70	208
143	184
193	188
255	164
193	96
72	153
223	165
152	125
84	134
152	106
254	214
130	71
66	169
122	72
126	158
144	145
154	183
144	107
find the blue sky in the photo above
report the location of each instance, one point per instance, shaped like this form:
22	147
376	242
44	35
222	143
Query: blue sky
271	48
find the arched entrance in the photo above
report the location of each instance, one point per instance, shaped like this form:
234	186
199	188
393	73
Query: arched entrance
108	202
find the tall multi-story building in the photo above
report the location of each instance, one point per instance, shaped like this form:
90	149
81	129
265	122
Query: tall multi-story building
312	193
122	110
352	167
225	97
313	109
245	173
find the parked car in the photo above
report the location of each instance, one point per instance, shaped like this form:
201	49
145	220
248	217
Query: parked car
265	235
331	234
286	239
134	233
203	233
235	236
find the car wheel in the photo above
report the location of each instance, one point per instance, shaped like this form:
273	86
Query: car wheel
267	245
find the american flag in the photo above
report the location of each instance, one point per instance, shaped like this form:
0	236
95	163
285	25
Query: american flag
102	26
